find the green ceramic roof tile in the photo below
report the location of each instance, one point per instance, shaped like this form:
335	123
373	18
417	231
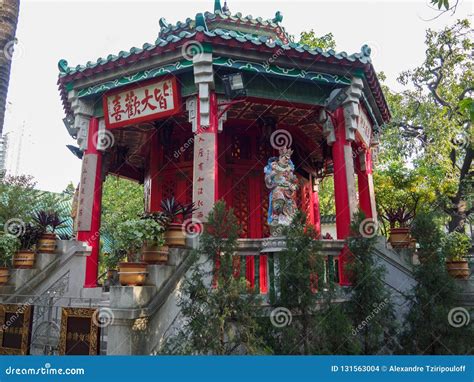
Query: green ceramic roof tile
222	33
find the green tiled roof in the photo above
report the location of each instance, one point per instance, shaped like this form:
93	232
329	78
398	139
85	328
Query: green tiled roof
363	56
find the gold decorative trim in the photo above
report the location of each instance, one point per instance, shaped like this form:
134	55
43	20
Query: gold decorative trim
25	330
64	335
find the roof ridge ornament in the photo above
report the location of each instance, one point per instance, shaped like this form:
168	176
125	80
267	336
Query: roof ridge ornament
217	6
365	50
63	66
225	8
163	23
278	17
201	22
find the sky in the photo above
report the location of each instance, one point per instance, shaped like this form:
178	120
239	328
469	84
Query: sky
79	31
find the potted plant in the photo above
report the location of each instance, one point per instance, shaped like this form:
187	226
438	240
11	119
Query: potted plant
48	221
130	239
176	214
25	256
400	193
456	247
153	250
111	262
8	246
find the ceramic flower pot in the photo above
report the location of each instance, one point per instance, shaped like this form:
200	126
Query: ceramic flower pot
174	235
4	275
458	269
400	237
47	243
155	254
132	273
24	259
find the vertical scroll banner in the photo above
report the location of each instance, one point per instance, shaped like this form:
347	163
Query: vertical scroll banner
204	174
86	192
141	103
364	128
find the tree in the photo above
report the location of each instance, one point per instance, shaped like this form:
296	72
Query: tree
122	200
18	198
434	116
370	306
9	10
317	324
428	329
219	310
324	42
401	193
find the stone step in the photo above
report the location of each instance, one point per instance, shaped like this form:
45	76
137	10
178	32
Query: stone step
131	297
158	274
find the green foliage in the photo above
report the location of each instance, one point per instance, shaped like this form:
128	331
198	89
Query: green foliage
401	192
132	234
122	200
370	306
17	198
428	234
111	260
30	236
431	121
326	197
8	246
217	320
324	42
319	324
427	329
456	246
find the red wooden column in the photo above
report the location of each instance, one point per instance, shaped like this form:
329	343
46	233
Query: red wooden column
366	184
315	206
90	202
155	183
344	188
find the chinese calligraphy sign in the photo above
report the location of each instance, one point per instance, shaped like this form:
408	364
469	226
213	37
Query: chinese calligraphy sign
204	174
141	103
364	128
86	192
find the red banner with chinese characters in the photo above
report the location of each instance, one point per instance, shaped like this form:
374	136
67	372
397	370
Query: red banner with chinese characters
141	103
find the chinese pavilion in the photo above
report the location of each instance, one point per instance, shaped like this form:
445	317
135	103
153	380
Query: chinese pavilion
162	115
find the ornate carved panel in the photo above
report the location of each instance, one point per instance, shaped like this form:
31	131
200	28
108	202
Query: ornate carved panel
79	333
240	202
15	333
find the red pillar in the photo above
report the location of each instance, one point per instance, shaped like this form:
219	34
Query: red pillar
366	185
154	165
91	183
316	210
343	188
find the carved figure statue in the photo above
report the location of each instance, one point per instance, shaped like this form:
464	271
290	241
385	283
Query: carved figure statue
283	183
